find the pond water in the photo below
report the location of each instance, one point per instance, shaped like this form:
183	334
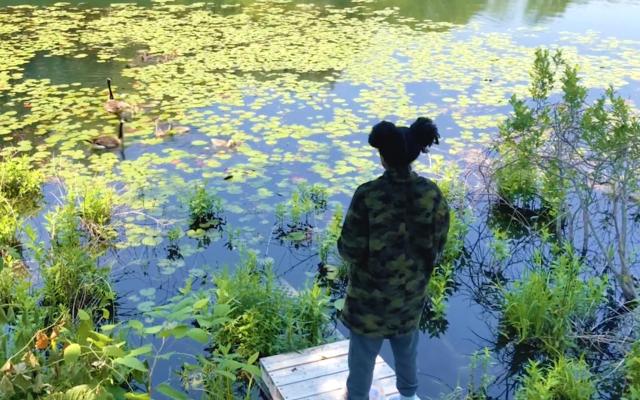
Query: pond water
298	85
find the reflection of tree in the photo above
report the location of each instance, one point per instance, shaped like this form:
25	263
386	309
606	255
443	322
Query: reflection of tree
538	10
532	11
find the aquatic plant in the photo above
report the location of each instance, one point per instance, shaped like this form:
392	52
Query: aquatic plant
564	379
294	218
220	374
542	308
632	367
20	182
576	159
10	222
442	282
95	205
204	209
264	318
69	266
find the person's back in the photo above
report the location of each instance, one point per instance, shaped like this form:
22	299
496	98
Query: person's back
393	234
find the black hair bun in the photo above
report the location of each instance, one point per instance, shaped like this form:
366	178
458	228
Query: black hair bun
383	134
424	133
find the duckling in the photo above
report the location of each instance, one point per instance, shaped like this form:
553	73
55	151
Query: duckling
105	142
230	144
114	106
162	132
169	130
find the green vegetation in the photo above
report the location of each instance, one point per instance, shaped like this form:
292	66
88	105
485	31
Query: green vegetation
20	182
441	284
543	307
263	318
295	218
567	157
243	315
564	379
632	366
204	209
10	223
69	267
564	164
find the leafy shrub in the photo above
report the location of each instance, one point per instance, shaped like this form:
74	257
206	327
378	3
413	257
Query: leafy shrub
9	224
632	366
204	209
69	267
564	379
20	184
294	223
219	373
66	360
263	317
442	282
95	208
542	307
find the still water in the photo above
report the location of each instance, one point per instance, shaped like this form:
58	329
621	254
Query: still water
298	84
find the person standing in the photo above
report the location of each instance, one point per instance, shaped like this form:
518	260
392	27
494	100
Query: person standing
393	235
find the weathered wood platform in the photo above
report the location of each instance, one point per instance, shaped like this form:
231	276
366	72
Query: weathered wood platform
318	373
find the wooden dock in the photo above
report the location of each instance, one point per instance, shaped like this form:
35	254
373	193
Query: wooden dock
318	373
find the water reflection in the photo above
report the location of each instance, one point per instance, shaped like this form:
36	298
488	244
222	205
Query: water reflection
529	12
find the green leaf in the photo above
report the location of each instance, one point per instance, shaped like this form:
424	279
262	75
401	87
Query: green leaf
199	335
201	303
137	396
140	351
72	353
253	358
83	315
131	362
171	392
137	325
152	330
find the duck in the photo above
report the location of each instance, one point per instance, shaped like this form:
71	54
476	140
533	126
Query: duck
230	144
105	142
114	106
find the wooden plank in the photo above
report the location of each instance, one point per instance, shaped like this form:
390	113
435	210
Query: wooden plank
267	385
311	388
388	386
313	354
302	372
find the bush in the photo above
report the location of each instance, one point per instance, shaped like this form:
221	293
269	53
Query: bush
632	366
542	307
69	267
10	222
95	205
19	183
294	218
263	317
72	361
564	379
204	209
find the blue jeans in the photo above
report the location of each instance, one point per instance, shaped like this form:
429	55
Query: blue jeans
362	357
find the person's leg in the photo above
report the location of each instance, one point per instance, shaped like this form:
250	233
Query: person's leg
362	358
405	353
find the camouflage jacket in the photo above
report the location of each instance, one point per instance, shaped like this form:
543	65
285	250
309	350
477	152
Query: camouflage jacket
393	234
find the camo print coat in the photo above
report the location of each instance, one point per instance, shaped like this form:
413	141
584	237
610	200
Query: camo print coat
393	234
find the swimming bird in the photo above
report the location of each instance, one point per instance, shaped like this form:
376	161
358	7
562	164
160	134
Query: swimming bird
170	130
162	132
230	144
104	142
114	106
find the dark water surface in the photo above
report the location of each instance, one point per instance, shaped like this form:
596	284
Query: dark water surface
299	118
